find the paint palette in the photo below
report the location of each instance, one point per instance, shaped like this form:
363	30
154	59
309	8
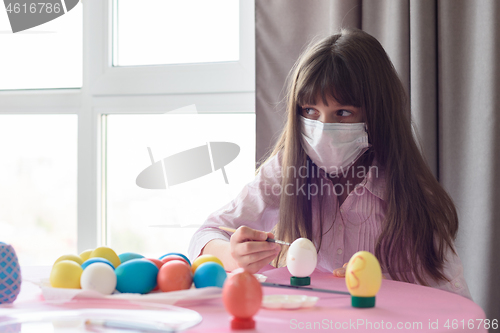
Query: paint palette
289	302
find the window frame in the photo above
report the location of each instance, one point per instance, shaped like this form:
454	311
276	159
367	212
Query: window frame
122	90
237	76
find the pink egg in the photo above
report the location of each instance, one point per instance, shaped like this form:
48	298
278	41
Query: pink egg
175	275
158	264
242	297
173	257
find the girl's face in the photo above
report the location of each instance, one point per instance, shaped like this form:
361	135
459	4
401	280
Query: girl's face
333	112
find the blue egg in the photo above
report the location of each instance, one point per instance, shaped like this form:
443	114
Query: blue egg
136	276
126	256
90	261
209	274
177	254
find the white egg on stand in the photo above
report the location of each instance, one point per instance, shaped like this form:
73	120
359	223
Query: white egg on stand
301	261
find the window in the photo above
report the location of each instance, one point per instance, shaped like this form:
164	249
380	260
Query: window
159	32
38	185
43	57
150	220
104	129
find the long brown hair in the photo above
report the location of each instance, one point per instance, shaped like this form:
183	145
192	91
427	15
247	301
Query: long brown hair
421	219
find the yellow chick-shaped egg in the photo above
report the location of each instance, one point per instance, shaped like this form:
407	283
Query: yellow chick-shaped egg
363	278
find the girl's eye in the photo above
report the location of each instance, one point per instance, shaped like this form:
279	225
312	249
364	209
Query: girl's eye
309	111
344	113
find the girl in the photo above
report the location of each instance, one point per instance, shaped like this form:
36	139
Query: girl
347	174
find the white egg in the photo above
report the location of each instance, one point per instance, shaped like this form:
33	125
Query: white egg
99	277
301	258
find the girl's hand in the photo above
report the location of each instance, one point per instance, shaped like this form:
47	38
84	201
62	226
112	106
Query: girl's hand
339	272
250	249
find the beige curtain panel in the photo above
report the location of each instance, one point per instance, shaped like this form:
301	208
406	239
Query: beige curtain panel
447	53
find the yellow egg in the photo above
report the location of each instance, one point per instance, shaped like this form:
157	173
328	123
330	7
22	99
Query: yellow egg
106	253
363	275
72	257
66	274
86	254
203	259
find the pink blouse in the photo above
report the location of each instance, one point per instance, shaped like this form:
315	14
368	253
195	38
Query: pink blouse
352	228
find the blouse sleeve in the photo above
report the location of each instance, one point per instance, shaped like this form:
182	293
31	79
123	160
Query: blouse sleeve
256	206
454	272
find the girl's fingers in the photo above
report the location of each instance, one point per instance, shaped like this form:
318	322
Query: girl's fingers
243	234
339	272
255	247
256	266
256	257
250	250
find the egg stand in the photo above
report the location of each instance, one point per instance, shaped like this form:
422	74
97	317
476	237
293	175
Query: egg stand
300	281
362	302
242	323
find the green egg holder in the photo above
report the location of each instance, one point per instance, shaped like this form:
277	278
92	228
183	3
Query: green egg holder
363	302
300	281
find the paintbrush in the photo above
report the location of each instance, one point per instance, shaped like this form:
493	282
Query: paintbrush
269	239
277	285
126	325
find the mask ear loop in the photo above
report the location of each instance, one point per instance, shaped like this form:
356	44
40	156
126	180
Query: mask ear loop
368	133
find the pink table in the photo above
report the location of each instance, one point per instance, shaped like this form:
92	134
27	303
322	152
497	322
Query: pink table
399	305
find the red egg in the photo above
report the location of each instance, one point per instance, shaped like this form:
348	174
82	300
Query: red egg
173	257
158	264
175	275
242	297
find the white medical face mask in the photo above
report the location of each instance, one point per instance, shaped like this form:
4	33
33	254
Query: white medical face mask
334	147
